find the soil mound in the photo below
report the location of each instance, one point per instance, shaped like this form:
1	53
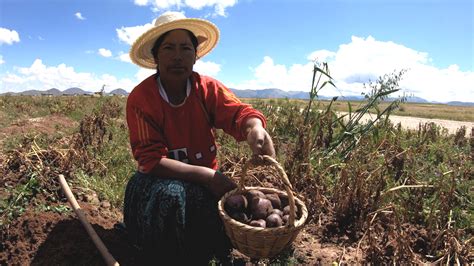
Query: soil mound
49	238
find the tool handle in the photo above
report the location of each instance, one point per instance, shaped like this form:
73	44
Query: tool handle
109	259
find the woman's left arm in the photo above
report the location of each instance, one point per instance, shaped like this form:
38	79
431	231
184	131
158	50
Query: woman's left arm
236	118
258	138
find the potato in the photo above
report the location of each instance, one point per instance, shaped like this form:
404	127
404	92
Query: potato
241	217
274	199
274	220
253	193
277	211
284	201
286	210
260	208
258	223
235	203
285	219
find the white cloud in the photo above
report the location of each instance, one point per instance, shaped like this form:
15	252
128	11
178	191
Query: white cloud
219	5
130	34
363	60
41	77
159	5
144	73
165	4
8	36
271	75
79	16
369	56
321	55
105	52
124	57
207	68
1	60
141	2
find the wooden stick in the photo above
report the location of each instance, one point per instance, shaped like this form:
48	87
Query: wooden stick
109	259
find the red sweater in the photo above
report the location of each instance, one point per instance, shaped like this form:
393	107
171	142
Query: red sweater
159	130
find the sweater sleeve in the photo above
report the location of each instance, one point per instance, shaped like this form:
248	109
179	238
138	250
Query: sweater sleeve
146	139
226	110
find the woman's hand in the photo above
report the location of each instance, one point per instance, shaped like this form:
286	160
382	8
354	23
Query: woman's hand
258	138
220	184
215	181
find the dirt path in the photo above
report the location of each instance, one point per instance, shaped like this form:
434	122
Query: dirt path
410	122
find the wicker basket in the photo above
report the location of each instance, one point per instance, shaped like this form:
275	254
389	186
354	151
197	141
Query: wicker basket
257	242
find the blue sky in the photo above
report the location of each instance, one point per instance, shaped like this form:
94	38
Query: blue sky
264	43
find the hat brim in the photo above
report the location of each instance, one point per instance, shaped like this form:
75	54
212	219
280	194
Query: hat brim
206	33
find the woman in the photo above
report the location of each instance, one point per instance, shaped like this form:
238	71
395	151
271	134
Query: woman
170	206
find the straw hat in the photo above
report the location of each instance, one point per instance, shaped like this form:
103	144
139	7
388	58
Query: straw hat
206	33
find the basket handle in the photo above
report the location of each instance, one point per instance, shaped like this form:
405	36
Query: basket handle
258	160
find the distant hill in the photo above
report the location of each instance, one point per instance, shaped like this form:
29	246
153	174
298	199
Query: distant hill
118	92
414	99
271	93
75	91
29	92
53	91
277	93
70	92
457	103
265	93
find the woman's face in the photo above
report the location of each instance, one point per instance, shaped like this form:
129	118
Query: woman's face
176	55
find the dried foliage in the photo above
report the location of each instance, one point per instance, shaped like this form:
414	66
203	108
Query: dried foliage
391	191
397	196
30	171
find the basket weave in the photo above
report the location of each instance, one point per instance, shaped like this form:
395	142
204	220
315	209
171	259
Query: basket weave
258	242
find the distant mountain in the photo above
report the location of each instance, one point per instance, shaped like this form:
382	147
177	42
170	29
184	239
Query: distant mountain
271	93
30	92
414	99
299	94
265	93
457	103
118	92
70	91
75	91
277	93
351	98
53	91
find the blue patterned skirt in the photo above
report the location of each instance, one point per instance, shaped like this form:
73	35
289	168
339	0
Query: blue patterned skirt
174	221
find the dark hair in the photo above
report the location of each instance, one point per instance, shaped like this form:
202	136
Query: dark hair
162	37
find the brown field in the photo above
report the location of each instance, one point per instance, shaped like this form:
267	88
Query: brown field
422	110
384	195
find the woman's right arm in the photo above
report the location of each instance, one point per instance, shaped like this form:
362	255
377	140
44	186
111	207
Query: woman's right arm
214	180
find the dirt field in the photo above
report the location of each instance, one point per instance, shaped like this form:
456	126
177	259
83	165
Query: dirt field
413	123
46	238
52	238
41	237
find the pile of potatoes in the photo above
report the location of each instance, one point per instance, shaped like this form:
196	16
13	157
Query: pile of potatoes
258	209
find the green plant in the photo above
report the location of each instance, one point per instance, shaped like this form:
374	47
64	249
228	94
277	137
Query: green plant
354	129
15	205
